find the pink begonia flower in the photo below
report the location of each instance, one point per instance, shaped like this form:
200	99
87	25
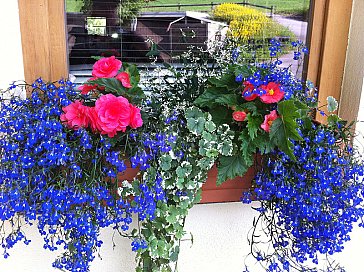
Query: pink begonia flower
248	90
135	117
239	116
268	120
106	67
93	117
124	79
273	93
113	114
75	115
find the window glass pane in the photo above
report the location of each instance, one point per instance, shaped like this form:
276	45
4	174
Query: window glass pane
164	29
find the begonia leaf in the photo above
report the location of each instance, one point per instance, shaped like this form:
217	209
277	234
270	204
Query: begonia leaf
284	128
231	167
254	123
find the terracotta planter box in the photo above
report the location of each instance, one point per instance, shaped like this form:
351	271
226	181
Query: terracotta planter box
229	191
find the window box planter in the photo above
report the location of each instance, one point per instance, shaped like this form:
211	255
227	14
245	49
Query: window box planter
230	191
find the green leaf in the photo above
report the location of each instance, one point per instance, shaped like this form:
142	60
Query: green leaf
173	215
184	170
133	72
207	136
205	163
208	97
248	106
226	148
165	162
112	85
227	80
153	52
231	167
332	104
279	136
180	183
263	143
248	147
210	126
221	115
284	129
227	99
212	153
244	70
254	123
174	255
333	119
196	126
193	113
302	108
134	94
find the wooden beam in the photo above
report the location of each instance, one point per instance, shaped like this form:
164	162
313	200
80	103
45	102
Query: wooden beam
316	26
326	66
42	26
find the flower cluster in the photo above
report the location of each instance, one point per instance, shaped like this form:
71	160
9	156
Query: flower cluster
262	104
110	115
310	181
60	160
317	198
300	49
76	161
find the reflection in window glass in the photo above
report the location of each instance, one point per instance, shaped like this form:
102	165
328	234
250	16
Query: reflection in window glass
96	26
164	29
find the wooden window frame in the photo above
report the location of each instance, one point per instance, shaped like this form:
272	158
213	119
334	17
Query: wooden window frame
328	41
43	31
43	34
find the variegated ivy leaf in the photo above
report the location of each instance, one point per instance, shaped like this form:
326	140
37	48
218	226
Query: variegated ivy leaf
212	153
190	185
310	85
196	126
225	133
180	183
193	113
165	162
207	136
225	148
205	145
208	116
184	169
206	163
223	129
210	126
331	104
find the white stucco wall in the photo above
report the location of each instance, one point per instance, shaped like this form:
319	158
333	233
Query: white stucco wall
219	230
11	58
354	69
354	81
